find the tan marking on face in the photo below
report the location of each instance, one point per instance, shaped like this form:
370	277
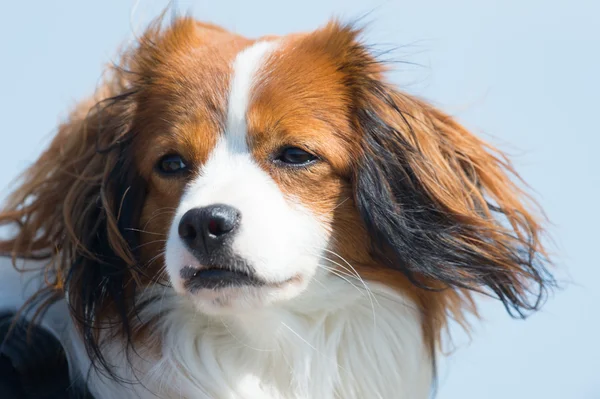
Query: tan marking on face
298	100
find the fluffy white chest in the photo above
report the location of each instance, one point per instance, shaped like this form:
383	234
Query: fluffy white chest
335	343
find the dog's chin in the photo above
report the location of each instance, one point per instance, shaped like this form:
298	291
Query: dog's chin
237	298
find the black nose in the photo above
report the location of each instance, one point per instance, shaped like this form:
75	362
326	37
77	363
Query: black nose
205	229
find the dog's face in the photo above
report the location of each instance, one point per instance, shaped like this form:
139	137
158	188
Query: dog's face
251	181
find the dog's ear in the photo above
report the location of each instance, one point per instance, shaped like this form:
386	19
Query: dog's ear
440	205
78	205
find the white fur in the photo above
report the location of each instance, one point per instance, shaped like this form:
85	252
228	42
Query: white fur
333	341
245	68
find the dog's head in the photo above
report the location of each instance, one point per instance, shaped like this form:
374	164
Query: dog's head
245	169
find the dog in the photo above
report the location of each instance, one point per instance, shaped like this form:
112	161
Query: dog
271	218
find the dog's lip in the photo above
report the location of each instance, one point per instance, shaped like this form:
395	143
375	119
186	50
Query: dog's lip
215	278
189	272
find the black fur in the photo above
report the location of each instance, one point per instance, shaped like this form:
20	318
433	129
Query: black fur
98	283
411	232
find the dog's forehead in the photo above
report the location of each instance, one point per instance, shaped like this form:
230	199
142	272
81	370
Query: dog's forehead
216	69
207	83
190	68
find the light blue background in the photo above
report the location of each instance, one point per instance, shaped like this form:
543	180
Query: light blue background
524	73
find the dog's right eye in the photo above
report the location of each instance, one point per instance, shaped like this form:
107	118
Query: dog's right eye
294	156
171	165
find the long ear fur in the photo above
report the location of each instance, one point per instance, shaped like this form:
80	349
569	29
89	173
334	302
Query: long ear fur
78	206
75	207
440	205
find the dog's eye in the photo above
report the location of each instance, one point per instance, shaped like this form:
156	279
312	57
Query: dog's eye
171	164
295	156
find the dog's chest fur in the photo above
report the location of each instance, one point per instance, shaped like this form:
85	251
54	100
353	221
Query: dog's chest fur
338	342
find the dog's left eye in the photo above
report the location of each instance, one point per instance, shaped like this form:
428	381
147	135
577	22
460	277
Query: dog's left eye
171	164
295	156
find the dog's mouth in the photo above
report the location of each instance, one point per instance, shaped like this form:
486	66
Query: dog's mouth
214	278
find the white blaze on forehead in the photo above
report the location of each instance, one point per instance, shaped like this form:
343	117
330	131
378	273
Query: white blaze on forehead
245	67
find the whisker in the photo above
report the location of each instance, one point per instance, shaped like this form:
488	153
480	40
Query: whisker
334	360
346	277
148	243
353	273
341	203
160	276
157	213
145	231
245	345
158	255
341	275
353	269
